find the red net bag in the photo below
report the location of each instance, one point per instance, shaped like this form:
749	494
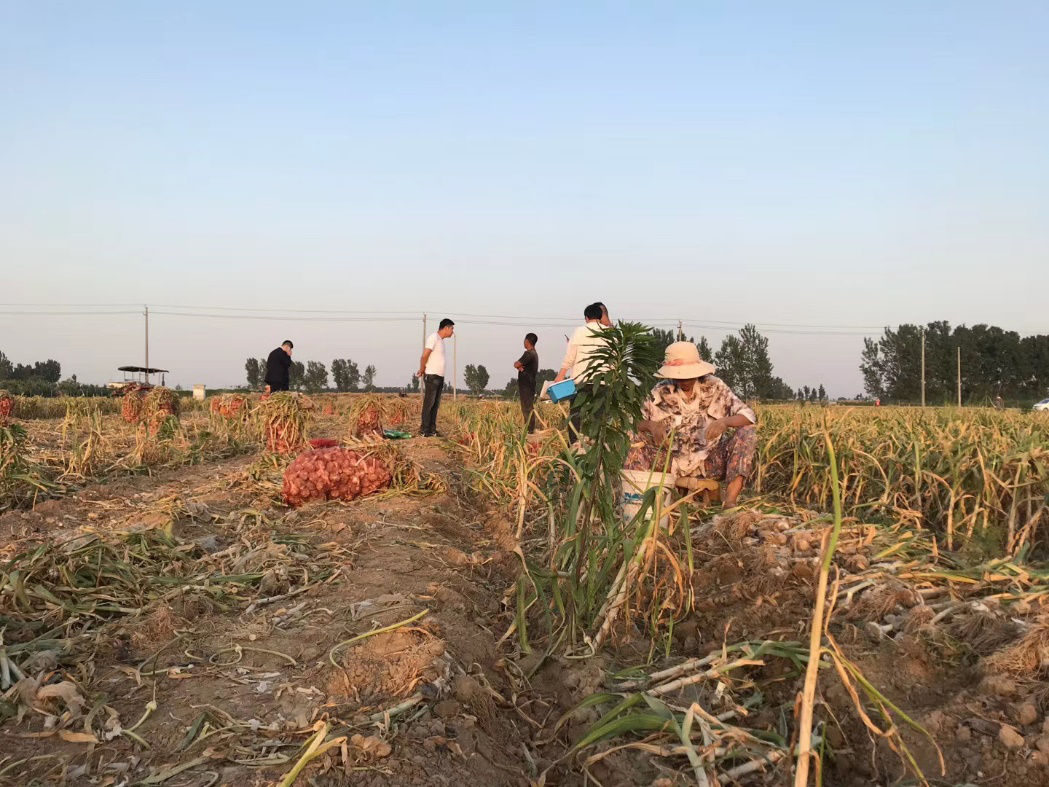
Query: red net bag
334	474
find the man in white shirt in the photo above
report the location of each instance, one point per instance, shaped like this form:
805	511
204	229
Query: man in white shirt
431	371
577	360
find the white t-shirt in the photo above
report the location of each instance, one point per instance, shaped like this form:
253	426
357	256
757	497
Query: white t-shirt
435	363
581	346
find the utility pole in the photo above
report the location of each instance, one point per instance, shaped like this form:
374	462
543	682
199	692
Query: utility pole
147	344
959	376
680	332
455	367
923	367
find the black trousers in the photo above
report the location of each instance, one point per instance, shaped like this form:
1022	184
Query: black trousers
575	413
433	387
528	407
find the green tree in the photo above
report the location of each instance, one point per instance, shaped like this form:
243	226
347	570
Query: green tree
704	349
822	393
414	384
50	370
315	378
758	365
744	364
346	374
663	338
296	375
872	368
476	378
779	391
6	367
254	373
993	362
732	366
369	378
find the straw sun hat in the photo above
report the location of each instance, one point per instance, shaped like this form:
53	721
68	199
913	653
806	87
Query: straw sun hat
682	362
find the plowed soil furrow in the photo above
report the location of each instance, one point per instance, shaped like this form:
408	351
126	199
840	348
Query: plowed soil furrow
423	703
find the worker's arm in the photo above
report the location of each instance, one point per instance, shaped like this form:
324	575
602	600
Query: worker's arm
519	366
717	428
423	360
570	358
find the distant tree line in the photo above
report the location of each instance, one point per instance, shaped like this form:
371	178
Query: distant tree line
994	362
42	378
806	394
312	376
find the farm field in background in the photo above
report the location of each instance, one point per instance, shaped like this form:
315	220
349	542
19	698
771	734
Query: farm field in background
168	619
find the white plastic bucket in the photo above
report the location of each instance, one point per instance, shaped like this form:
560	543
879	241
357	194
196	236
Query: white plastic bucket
636	483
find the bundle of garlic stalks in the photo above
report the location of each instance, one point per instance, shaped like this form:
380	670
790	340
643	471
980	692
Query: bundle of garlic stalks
7	408
160	410
284	419
22	479
132	403
230	406
369	414
893	596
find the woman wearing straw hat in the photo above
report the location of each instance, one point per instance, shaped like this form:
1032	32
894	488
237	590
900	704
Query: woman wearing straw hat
695	409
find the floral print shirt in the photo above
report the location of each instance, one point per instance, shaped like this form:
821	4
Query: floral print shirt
688	418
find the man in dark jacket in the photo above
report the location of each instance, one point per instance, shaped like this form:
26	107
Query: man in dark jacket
278	366
527	369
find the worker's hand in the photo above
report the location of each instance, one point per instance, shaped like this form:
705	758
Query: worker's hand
518	366
715	429
421	373
267	389
560	376
656	430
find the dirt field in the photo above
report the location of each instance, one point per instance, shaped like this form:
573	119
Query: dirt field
270	634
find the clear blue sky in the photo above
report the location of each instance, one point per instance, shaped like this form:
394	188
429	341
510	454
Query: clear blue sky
799	163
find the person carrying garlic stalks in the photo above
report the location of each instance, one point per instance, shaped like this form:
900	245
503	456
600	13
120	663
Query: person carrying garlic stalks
694	409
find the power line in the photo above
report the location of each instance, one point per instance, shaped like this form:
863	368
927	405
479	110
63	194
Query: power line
271	317
763	329
70	305
279	318
505	321
458	314
66	313
547	318
465	318
337	315
284	311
